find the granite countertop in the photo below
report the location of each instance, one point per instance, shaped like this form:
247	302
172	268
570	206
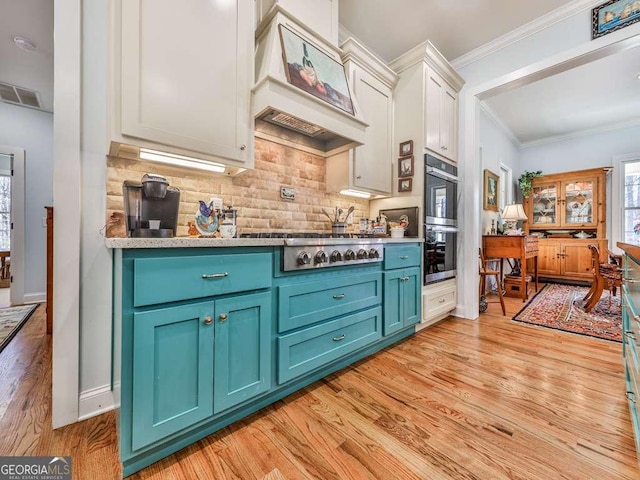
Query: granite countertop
189	242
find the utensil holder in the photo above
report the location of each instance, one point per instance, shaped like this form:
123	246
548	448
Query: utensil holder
338	227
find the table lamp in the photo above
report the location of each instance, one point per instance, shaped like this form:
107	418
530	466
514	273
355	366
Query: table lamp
512	213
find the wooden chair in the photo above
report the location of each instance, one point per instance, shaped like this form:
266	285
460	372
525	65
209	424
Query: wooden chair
605	275
484	273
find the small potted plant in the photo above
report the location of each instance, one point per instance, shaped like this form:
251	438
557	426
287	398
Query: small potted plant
525	181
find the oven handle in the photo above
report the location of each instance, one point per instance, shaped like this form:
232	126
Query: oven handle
441	174
440	228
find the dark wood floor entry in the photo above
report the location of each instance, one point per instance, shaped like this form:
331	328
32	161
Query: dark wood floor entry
488	399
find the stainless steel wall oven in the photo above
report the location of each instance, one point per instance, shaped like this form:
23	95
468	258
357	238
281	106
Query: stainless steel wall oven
441	220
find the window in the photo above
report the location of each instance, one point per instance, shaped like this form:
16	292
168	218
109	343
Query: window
5	212
631	202
505	186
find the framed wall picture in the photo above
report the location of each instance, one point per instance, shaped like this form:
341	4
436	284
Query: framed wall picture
614	15
405	167
313	71
405	184
491	191
406	148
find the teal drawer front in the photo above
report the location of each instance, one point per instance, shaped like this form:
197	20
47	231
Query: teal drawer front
304	351
400	256
303	304
160	280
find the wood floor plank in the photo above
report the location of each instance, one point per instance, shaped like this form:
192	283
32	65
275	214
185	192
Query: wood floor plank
486	399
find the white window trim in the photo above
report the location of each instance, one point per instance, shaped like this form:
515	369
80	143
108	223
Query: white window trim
509	189
617	190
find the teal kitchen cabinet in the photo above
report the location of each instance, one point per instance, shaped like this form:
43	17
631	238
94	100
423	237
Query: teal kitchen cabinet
173	370
402	287
242	349
631	334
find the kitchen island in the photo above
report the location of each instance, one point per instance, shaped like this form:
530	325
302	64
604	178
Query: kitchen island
208	331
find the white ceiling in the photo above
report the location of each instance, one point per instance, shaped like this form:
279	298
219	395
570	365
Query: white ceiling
588	97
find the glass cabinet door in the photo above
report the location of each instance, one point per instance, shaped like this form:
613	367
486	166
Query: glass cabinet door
544	202
577	203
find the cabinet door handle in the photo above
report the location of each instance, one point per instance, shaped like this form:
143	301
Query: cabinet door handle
358	177
207	320
341	337
443	147
222	317
404	257
631	397
214	275
339	296
243	147
405	279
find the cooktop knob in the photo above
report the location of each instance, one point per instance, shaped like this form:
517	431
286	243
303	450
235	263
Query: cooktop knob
362	253
349	255
373	253
320	257
304	258
336	256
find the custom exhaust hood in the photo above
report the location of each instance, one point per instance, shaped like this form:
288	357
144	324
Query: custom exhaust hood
316	113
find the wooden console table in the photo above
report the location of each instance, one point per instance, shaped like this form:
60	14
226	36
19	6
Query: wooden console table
521	247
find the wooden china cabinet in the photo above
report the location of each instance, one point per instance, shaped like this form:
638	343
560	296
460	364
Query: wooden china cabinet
568	212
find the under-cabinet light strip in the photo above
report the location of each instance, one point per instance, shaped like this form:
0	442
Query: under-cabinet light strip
355	193
179	160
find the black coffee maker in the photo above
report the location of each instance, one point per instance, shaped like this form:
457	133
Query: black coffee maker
151	207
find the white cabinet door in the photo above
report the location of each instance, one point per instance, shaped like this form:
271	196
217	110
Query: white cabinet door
432	110
187	69
441	103
448	119
373	161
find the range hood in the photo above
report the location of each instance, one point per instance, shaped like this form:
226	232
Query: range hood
283	110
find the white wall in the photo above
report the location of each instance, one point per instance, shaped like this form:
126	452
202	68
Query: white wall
32	130
497	148
579	153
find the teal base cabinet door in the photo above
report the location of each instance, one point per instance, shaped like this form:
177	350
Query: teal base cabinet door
402	293
172	370
242	349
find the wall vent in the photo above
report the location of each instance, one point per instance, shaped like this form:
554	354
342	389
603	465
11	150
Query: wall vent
19	96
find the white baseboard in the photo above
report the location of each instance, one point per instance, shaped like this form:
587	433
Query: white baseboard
34	298
94	402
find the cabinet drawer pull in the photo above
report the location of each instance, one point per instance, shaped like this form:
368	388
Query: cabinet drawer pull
404	257
629	334
631	397
339	296
337	339
630	280
222	317
214	275
441	300
207	320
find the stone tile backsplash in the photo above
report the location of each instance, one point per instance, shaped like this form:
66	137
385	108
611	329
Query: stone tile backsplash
254	193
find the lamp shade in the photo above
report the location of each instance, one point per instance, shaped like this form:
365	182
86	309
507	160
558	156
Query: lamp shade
514	212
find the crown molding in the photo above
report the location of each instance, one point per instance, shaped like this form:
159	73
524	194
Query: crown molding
426	52
581	133
524	31
353	50
504	128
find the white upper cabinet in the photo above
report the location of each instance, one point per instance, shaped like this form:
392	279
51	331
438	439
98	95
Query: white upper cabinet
367	167
426	103
441	107
182	77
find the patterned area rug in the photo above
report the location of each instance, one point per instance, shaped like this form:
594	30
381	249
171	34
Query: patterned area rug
561	307
11	320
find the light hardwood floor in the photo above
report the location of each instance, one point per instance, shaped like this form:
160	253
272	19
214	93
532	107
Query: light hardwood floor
487	399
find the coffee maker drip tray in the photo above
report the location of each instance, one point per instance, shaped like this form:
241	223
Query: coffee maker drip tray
152	233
